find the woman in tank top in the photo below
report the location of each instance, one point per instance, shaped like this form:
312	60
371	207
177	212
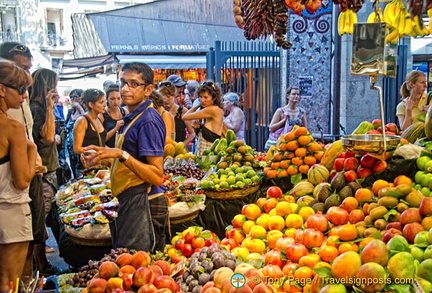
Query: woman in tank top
112	119
17	168
88	129
184	131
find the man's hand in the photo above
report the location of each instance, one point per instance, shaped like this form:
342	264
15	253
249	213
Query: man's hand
94	154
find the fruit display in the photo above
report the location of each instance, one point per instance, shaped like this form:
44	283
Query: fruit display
86	206
209	266
174	149
294	154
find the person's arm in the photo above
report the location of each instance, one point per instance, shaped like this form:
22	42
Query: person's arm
22	156
151	173
191	132
48	129
204	113
304	120
79	131
277	122
169	124
113	131
405	119
236	120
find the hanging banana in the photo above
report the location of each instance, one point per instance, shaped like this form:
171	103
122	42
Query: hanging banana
375	16
393	36
341	23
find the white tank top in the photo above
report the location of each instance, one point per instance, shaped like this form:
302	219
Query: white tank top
8	192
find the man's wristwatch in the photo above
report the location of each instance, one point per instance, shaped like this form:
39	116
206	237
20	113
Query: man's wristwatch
124	157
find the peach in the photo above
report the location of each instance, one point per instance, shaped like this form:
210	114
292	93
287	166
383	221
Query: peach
164	265
163	290
222	274
118	290
156	269
113	284
96	285
140	259
126	270
127	281
124	259
410	215
207	285
166	282
264	288
147	288
212	290
108	269
243	268
244	289
142	276
226	285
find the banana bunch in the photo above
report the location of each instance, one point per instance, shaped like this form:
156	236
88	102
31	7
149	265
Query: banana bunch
419	29
346	22
429	13
375	16
391	10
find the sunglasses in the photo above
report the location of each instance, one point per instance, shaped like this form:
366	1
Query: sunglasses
131	84
164	83
209	83
21	90
74	97
19	48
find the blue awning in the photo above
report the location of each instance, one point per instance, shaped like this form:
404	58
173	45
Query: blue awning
166	61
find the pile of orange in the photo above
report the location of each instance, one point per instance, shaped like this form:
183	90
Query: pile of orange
296	152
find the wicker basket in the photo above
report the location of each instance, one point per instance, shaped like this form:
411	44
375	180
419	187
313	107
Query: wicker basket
91	242
184	218
231	193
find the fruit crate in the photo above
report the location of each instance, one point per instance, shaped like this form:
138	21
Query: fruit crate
231	193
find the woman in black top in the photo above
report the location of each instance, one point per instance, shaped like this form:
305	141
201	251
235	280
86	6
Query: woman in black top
113	117
184	131
88	129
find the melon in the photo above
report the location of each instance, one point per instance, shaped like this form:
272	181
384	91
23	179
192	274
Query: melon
318	174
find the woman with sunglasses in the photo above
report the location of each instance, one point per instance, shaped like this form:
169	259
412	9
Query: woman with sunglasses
112	119
88	129
73	114
184	131
17	168
210	112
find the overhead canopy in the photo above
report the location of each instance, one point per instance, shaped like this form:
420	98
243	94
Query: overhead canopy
166	61
89	62
138	35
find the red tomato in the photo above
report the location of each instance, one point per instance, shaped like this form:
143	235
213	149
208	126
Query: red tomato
187	250
198	242
179	244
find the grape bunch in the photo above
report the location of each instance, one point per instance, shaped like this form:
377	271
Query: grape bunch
187	170
87	272
203	265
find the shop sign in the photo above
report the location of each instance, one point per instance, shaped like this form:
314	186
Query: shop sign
159	77
305	85
188	75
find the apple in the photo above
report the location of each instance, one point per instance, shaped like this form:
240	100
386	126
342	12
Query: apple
350	175
367	161
394	225
376	122
274	191
339	164
411	230
392	127
363	172
379	166
187	250
388	234
165	282
342	155
179	244
351	163
373	131
425	207
410	215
